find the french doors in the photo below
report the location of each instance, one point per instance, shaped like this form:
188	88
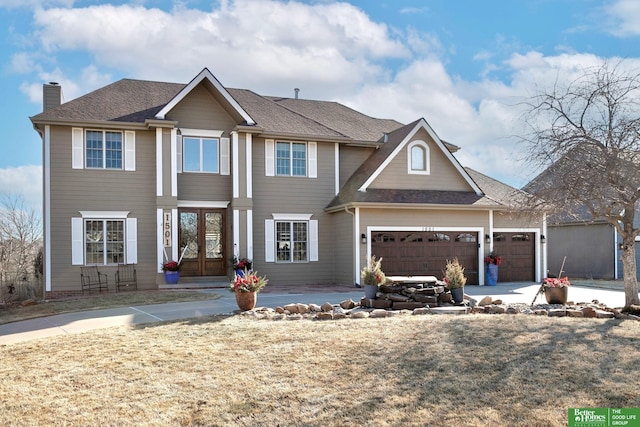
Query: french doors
202	234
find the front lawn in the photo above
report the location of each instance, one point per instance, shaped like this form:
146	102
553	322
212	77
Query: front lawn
436	370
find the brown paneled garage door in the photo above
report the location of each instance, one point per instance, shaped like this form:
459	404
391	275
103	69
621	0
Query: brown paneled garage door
418	253
518	256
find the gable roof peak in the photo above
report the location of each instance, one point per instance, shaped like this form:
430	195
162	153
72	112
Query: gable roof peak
206	75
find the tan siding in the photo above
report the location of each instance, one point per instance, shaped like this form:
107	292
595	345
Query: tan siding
204	187
294	195
74	190
343	249
350	160
200	110
443	175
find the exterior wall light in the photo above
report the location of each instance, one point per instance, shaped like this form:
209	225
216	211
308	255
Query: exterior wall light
363	238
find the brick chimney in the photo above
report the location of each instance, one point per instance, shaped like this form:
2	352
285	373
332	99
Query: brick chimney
51	96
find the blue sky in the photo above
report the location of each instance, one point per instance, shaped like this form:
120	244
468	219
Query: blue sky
462	65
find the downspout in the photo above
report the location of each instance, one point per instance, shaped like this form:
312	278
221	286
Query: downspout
355	246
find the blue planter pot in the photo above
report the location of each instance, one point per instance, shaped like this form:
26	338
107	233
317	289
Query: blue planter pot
171	277
239	272
491	277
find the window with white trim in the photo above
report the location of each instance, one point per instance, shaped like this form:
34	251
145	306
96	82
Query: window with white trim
291	158
103	149
418	158
104	238
291	241
201	154
104	241
291	238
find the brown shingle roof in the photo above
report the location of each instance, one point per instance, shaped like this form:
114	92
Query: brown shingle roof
135	101
276	119
341	118
125	100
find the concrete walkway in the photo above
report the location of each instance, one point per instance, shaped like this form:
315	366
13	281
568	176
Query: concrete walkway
71	323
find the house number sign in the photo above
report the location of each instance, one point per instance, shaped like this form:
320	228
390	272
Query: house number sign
166	229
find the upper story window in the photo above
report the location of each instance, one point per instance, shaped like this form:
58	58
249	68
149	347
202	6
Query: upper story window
291	158
103	149
298	159
201	154
418	158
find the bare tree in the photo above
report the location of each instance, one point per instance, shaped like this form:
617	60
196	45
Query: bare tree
587	135
20	238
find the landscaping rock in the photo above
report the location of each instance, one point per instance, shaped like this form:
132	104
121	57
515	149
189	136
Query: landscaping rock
361	314
380	303
601	314
485	301
327	306
325	315
396	297
348	304
279	309
424	310
291	308
429	299
588	312
557	312
407	305
575	313
315	308
378	313
303	308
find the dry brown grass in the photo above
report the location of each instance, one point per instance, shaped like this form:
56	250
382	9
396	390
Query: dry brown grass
14	313
410	370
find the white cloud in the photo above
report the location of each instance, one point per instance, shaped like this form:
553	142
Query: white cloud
23	181
332	51
253	43
625	17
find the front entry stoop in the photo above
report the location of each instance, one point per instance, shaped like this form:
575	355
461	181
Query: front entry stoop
200	282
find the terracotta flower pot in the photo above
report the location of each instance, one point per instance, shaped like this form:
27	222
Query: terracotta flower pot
246	300
556	295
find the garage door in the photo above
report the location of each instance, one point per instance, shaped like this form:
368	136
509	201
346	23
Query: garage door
417	253
518	256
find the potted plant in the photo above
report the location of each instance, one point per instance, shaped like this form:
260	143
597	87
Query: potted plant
372	277
240	265
246	288
492	261
555	290
171	272
455	280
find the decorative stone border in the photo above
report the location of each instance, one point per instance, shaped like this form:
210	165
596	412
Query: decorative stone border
349	309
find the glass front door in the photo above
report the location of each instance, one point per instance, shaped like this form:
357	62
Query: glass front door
202	234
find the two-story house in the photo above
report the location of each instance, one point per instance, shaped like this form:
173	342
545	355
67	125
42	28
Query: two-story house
141	172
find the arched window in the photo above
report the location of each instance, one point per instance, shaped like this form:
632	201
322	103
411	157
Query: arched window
418	158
